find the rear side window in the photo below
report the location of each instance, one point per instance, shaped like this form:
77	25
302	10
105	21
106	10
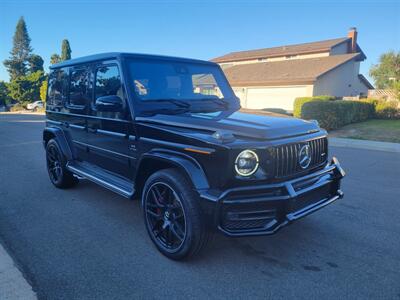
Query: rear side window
57	89
79	94
108	82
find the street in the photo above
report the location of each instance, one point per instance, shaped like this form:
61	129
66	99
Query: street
89	243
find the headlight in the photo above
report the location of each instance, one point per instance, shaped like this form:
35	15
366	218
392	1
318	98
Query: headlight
246	163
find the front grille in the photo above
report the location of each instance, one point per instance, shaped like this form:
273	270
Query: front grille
287	156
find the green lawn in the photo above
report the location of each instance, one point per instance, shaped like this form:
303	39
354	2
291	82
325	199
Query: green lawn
376	130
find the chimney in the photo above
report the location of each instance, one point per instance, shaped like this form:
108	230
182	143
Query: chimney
353	36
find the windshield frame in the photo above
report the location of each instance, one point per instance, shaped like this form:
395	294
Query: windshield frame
141	106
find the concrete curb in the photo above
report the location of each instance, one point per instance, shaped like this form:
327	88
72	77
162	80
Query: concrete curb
12	283
365	144
22	113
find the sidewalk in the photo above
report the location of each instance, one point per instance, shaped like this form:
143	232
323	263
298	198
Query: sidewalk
364	144
12	284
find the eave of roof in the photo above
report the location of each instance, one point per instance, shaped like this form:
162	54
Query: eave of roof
304	48
366	81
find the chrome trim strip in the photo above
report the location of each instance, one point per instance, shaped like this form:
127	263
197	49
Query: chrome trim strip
54	122
176	145
102	149
100	181
80	127
111	133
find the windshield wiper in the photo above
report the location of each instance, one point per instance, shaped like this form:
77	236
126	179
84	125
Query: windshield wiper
218	101
166	111
177	102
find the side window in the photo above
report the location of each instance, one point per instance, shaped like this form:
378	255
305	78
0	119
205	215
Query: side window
57	89
108	83
79	88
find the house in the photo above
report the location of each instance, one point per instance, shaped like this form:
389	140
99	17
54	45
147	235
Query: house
274	77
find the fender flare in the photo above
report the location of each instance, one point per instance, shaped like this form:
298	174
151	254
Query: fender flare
185	163
59	135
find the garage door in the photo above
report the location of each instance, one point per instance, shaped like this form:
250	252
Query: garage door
274	97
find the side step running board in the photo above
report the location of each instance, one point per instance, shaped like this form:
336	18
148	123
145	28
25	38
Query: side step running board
102	177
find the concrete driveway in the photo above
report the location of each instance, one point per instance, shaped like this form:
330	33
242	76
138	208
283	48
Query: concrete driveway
88	243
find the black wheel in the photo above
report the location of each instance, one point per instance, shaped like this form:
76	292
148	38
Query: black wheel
56	167
172	215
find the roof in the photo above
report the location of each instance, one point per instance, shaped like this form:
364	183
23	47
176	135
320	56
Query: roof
116	55
365	81
313	47
296	71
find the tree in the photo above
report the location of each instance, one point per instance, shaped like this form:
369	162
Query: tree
35	63
17	63
25	89
43	90
65	50
4	98
55	58
386	73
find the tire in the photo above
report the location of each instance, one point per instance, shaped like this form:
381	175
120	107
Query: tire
56	167
172	215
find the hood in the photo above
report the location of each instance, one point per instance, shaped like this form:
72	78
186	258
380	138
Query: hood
260	126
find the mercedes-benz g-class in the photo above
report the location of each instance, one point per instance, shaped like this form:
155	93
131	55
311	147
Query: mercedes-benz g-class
170	132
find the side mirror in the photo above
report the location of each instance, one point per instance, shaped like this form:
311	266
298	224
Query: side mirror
110	103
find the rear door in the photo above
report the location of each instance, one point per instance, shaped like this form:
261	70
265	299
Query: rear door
77	104
67	104
110	133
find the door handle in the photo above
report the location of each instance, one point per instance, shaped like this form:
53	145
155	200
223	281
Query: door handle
66	124
92	130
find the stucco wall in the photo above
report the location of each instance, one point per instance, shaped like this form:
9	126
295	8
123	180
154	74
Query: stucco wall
341	81
340	49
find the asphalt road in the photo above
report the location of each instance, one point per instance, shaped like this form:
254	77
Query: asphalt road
88	243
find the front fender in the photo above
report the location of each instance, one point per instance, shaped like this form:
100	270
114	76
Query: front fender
184	162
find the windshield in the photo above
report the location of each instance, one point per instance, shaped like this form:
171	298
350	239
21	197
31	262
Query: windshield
165	80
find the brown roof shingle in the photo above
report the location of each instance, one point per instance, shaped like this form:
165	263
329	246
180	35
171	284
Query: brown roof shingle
296	71
312	47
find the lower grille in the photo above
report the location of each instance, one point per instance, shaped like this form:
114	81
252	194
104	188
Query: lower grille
287	156
311	197
245	216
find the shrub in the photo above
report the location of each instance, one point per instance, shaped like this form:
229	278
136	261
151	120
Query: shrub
17	107
299	102
387	110
335	114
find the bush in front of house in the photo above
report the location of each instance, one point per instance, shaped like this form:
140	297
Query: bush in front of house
387	110
335	114
299	102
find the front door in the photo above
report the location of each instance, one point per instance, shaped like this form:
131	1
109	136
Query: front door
110	133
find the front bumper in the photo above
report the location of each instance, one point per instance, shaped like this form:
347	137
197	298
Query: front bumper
263	210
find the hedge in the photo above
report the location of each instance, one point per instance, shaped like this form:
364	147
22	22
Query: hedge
335	114
299	102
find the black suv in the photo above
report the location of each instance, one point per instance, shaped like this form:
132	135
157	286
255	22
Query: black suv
169	130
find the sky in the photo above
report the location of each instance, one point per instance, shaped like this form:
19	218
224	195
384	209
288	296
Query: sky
196	29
